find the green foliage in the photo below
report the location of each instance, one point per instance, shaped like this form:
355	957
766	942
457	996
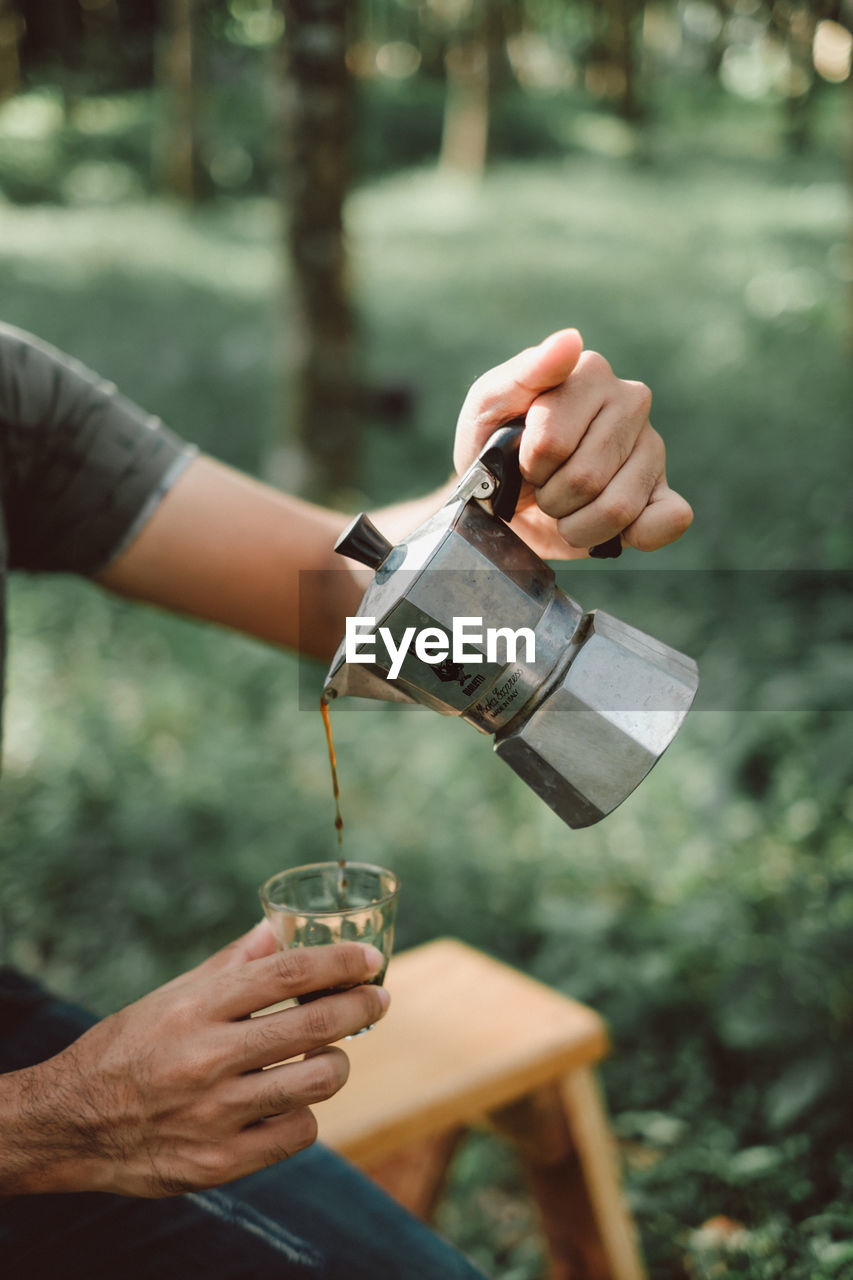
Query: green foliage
156	772
397	124
97	153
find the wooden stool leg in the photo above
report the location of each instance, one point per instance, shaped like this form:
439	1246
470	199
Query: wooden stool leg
536	1126
415	1175
585	1113
562	1137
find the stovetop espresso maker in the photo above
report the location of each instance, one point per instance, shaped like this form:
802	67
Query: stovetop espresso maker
581	705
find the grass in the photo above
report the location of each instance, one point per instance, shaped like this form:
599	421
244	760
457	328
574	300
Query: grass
156	772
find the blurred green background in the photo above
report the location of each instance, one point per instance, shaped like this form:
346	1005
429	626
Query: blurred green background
697	232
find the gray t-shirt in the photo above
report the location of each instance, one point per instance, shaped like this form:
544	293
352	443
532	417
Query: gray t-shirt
81	467
81	470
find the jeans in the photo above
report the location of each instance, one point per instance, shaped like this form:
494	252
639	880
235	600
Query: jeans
313	1216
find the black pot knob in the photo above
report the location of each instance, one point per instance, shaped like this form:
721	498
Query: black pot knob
362	541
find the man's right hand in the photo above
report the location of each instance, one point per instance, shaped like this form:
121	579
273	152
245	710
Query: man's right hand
169	1095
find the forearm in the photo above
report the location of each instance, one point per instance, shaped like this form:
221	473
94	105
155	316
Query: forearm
232	550
42	1147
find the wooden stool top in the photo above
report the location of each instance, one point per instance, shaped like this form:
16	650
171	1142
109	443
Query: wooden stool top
464	1035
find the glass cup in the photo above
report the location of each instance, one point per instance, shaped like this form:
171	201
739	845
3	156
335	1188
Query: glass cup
325	902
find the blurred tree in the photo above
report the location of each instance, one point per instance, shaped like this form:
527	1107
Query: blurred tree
624	24
465	134
316	116
139	22
789	48
52	40
87	46
796	24
476	69
178	159
612	63
11	30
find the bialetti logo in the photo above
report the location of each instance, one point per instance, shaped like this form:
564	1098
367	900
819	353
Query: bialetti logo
437	647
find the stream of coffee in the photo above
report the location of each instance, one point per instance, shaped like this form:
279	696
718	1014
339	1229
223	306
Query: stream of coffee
339	822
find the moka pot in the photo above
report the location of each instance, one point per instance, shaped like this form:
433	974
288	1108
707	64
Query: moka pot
580	705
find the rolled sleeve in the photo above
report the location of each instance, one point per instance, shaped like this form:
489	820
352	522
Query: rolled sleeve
81	467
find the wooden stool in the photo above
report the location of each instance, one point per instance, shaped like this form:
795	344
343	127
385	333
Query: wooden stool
468	1040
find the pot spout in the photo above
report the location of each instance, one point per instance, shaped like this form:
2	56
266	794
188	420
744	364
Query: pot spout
360	680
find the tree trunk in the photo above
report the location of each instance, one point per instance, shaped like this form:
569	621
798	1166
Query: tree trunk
316	134
476	68
179	148
802	82
11	30
52	43
624	16
849	234
465	134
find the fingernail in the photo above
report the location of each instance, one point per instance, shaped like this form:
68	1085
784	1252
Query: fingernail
384	998
375	959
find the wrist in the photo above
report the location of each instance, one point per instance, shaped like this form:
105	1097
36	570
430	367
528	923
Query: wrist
43	1138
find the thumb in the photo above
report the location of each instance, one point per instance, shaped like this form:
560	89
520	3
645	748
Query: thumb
510	389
